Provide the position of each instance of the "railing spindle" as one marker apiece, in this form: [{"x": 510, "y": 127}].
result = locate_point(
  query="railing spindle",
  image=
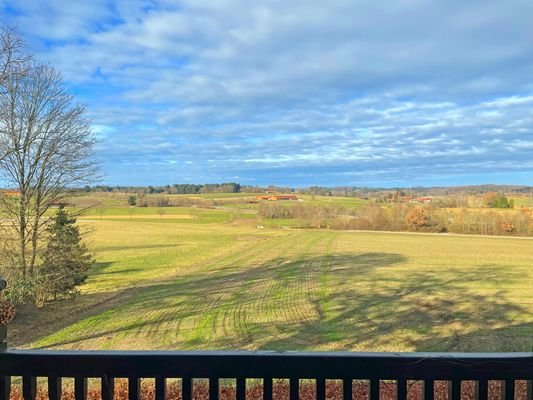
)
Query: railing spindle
[
  {"x": 529, "y": 389},
  {"x": 401, "y": 389},
  {"x": 321, "y": 389},
  {"x": 186, "y": 388},
  {"x": 267, "y": 388},
  {"x": 213, "y": 388},
  {"x": 429, "y": 389},
  {"x": 347, "y": 389},
  {"x": 160, "y": 388},
  {"x": 5, "y": 387},
  {"x": 29, "y": 387},
  {"x": 241, "y": 389},
  {"x": 134, "y": 388},
  {"x": 54, "y": 388},
  {"x": 294, "y": 389},
  {"x": 80, "y": 388},
  {"x": 508, "y": 389},
  {"x": 455, "y": 392},
  {"x": 374, "y": 389},
  {"x": 108, "y": 387},
  {"x": 482, "y": 390}
]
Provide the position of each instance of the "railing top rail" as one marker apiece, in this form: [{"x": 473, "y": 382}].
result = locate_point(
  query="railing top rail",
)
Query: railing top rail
[
  {"x": 251, "y": 364},
  {"x": 269, "y": 353}
]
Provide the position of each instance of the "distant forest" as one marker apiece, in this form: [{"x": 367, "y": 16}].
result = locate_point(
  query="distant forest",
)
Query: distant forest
[{"x": 345, "y": 191}]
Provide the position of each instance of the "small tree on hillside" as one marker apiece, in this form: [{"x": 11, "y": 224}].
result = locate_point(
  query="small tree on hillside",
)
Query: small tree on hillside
[
  {"x": 66, "y": 260},
  {"x": 416, "y": 219},
  {"x": 497, "y": 200}
]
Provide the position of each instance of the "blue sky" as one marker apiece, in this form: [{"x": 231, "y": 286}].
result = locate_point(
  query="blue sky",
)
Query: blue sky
[{"x": 296, "y": 92}]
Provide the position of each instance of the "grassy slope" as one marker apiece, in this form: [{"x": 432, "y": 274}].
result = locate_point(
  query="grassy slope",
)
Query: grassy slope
[
  {"x": 523, "y": 201},
  {"x": 202, "y": 286},
  {"x": 189, "y": 215}
]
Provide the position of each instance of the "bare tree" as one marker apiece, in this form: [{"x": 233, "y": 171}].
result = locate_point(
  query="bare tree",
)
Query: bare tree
[
  {"x": 13, "y": 62},
  {"x": 47, "y": 143}
]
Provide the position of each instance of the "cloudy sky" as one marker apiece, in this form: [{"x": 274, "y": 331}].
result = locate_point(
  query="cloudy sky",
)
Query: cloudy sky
[{"x": 402, "y": 92}]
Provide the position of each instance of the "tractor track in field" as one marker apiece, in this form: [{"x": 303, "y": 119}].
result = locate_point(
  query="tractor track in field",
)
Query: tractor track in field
[
  {"x": 270, "y": 286},
  {"x": 29, "y": 325},
  {"x": 266, "y": 289},
  {"x": 216, "y": 300},
  {"x": 240, "y": 301},
  {"x": 289, "y": 291}
]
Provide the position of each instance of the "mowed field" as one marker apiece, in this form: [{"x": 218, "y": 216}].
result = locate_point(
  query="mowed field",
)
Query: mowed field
[{"x": 213, "y": 282}]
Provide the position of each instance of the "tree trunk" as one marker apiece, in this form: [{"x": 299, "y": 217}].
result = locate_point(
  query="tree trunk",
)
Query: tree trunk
[
  {"x": 22, "y": 236},
  {"x": 34, "y": 241}
]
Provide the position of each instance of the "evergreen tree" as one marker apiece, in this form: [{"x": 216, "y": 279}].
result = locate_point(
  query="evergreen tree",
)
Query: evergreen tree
[{"x": 66, "y": 260}]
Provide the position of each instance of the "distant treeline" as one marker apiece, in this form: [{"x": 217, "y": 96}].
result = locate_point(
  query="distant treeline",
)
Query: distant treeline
[
  {"x": 232, "y": 187},
  {"x": 342, "y": 191},
  {"x": 179, "y": 188},
  {"x": 404, "y": 217},
  {"x": 188, "y": 188}
]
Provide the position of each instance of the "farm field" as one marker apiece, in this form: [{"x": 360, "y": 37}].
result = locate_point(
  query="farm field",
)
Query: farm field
[
  {"x": 221, "y": 284},
  {"x": 239, "y": 200},
  {"x": 523, "y": 201},
  {"x": 165, "y": 214}
]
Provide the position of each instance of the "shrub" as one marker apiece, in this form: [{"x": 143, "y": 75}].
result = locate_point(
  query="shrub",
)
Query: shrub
[
  {"x": 66, "y": 260},
  {"x": 507, "y": 227},
  {"x": 20, "y": 291},
  {"x": 497, "y": 200},
  {"x": 416, "y": 219}
]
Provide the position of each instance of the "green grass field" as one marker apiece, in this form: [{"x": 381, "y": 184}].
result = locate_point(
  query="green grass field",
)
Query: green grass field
[
  {"x": 221, "y": 284},
  {"x": 523, "y": 201},
  {"x": 188, "y": 215}
]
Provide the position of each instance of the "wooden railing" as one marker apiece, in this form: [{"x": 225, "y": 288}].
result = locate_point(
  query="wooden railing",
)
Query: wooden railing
[{"x": 266, "y": 366}]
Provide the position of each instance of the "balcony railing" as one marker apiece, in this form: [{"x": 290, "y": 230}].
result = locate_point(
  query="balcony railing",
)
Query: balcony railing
[{"x": 266, "y": 366}]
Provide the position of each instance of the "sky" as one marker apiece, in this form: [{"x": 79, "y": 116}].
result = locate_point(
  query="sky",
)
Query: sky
[{"x": 296, "y": 93}]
